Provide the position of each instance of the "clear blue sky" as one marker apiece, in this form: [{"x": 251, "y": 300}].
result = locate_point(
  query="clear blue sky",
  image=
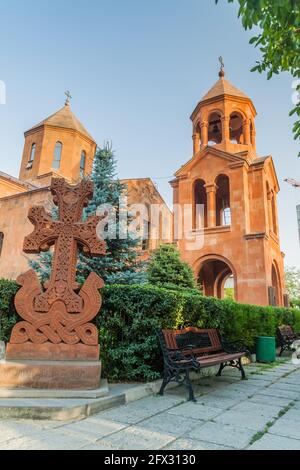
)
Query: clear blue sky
[{"x": 136, "y": 70}]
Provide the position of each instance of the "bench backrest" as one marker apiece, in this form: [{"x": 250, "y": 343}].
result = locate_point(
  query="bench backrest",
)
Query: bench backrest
[
  {"x": 285, "y": 331},
  {"x": 203, "y": 340}
]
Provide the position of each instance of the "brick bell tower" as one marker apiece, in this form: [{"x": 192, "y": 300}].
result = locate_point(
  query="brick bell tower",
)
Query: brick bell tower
[
  {"x": 59, "y": 146},
  {"x": 237, "y": 190}
]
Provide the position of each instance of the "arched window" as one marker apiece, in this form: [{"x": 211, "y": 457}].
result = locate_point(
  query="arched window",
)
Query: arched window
[
  {"x": 146, "y": 235},
  {"x": 82, "y": 163},
  {"x": 200, "y": 205},
  {"x": 236, "y": 128},
  {"x": 214, "y": 129},
  {"x": 223, "y": 212},
  {"x": 1, "y": 242},
  {"x": 57, "y": 155},
  {"x": 32, "y": 153}
]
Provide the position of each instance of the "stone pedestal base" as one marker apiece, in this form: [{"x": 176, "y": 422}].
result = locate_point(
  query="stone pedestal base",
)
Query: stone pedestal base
[
  {"x": 50, "y": 375},
  {"x": 52, "y": 352}
]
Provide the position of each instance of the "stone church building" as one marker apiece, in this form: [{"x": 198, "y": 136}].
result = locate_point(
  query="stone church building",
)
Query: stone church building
[
  {"x": 236, "y": 187},
  {"x": 60, "y": 146}
]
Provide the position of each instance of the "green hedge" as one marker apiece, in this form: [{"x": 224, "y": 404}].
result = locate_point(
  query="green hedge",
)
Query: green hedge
[
  {"x": 8, "y": 316},
  {"x": 130, "y": 314}
]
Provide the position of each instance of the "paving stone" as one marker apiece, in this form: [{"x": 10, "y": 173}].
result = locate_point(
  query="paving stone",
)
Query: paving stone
[
  {"x": 286, "y": 386},
  {"x": 278, "y": 392},
  {"x": 218, "y": 433},
  {"x": 293, "y": 415},
  {"x": 170, "y": 425},
  {"x": 127, "y": 414},
  {"x": 259, "y": 409},
  {"x": 286, "y": 428},
  {"x": 269, "y": 400},
  {"x": 92, "y": 429},
  {"x": 195, "y": 411},
  {"x": 214, "y": 401},
  {"x": 136, "y": 438},
  {"x": 244, "y": 420},
  {"x": 193, "y": 444},
  {"x": 272, "y": 442},
  {"x": 14, "y": 429},
  {"x": 46, "y": 441}
]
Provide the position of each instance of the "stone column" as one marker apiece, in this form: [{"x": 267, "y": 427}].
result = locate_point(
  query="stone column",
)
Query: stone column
[
  {"x": 204, "y": 133},
  {"x": 196, "y": 141},
  {"x": 246, "y": 131},
  {"x": 225, "y": 129},
  {"x": 211, "y": 190},
  {"x": 253, "y": 137}
]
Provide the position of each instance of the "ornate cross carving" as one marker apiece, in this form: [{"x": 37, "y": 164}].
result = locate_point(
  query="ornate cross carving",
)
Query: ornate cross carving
[{"x": 59, "y": 313}]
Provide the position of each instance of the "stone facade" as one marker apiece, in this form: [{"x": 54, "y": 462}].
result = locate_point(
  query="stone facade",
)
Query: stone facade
[
  {"x": 17, "y": 195},
  {"x": 237, "y": 190}
]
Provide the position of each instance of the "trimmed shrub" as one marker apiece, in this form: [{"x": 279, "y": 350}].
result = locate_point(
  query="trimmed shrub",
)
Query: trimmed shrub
[
  {"x": 8, "y": 316},
  {"x": 127, "y": 323},
  {"x": 131, "y": 313}
]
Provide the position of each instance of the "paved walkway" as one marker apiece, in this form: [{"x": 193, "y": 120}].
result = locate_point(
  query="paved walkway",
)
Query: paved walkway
[{"x": 260, "y": 413}]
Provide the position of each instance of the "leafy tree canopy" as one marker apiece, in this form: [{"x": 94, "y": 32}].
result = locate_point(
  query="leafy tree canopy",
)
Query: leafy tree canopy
[
  {"x": 166, "y": 269},
  {"x": 292, "y": 281},
  {"x": 278, "y": 40}
]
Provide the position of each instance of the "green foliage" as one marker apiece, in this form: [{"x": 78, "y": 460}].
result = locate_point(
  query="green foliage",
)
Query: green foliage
[
  {"x": 295, "y": 303},
  {"x": 8, "y": 316},
  {"x": 120, "y": 264},
  {"x": 278, "y": 39},
  {"x": 131, "y": 313},
  {"x": 166, "y": 269},
  {"x": 292, "y": 282},
  {"x": 127, "y": 323}
]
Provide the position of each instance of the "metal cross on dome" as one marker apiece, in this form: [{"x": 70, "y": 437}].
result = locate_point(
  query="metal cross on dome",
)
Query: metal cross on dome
[{"x": 69, "y": 97}]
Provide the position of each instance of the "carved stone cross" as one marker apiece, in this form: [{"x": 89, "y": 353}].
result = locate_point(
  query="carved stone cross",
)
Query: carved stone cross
[
  {"x": 66, "y": 234},
  {"x": 60, "y": 313}
]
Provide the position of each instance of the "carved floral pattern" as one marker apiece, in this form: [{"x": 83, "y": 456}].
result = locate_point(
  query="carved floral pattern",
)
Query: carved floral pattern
[{"x": 60, "y": 314}]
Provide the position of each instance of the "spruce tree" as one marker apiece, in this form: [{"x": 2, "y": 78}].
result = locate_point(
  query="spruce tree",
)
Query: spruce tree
[
  {"x": 120, "y": 264},
  {"x": 166, "y": 269}
]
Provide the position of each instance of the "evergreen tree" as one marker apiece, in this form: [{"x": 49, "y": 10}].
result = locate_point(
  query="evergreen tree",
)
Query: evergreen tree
[
  {"x": 120, "y": 264},
  {"x": 166, "y": 269}
]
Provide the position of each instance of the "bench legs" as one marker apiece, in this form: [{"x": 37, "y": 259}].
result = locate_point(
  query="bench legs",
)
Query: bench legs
[
  {"x": 237, "y": 364},
  {"x": 186, "y": 381},
  {"x": 166, "y": 380}
]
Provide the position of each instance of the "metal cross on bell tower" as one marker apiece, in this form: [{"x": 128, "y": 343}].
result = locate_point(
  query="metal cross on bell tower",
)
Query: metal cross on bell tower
[{"x": 222, "y": 66}]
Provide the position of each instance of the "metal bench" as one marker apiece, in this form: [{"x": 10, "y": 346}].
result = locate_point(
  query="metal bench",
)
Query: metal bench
[
  {"x": 286, "y": 337},
  {"x": 192, "y": 349}
]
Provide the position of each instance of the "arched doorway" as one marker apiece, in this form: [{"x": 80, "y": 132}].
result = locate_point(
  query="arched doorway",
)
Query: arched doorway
[
  {"x": 276, "y": 285},
  {"x": 217, "y": 278}
]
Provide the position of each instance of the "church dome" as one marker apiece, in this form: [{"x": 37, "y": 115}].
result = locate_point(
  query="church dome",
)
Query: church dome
[{"x": 65, "y": 119}]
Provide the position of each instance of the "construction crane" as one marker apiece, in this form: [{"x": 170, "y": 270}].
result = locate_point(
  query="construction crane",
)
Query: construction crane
[{"x": 294, "y": 183}]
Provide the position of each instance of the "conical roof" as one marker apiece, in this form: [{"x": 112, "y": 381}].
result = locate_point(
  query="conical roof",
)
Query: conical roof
[
  {"x": 65, "y": 119},
  {"x": 223, "y": 87}
]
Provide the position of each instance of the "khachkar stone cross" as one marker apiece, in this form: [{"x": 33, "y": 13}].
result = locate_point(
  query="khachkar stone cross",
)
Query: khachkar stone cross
[{"x": 60, "y": 313}]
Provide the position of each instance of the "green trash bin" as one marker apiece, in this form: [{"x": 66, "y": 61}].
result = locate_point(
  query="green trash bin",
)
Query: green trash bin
[{"x": 265, "y": 349}]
